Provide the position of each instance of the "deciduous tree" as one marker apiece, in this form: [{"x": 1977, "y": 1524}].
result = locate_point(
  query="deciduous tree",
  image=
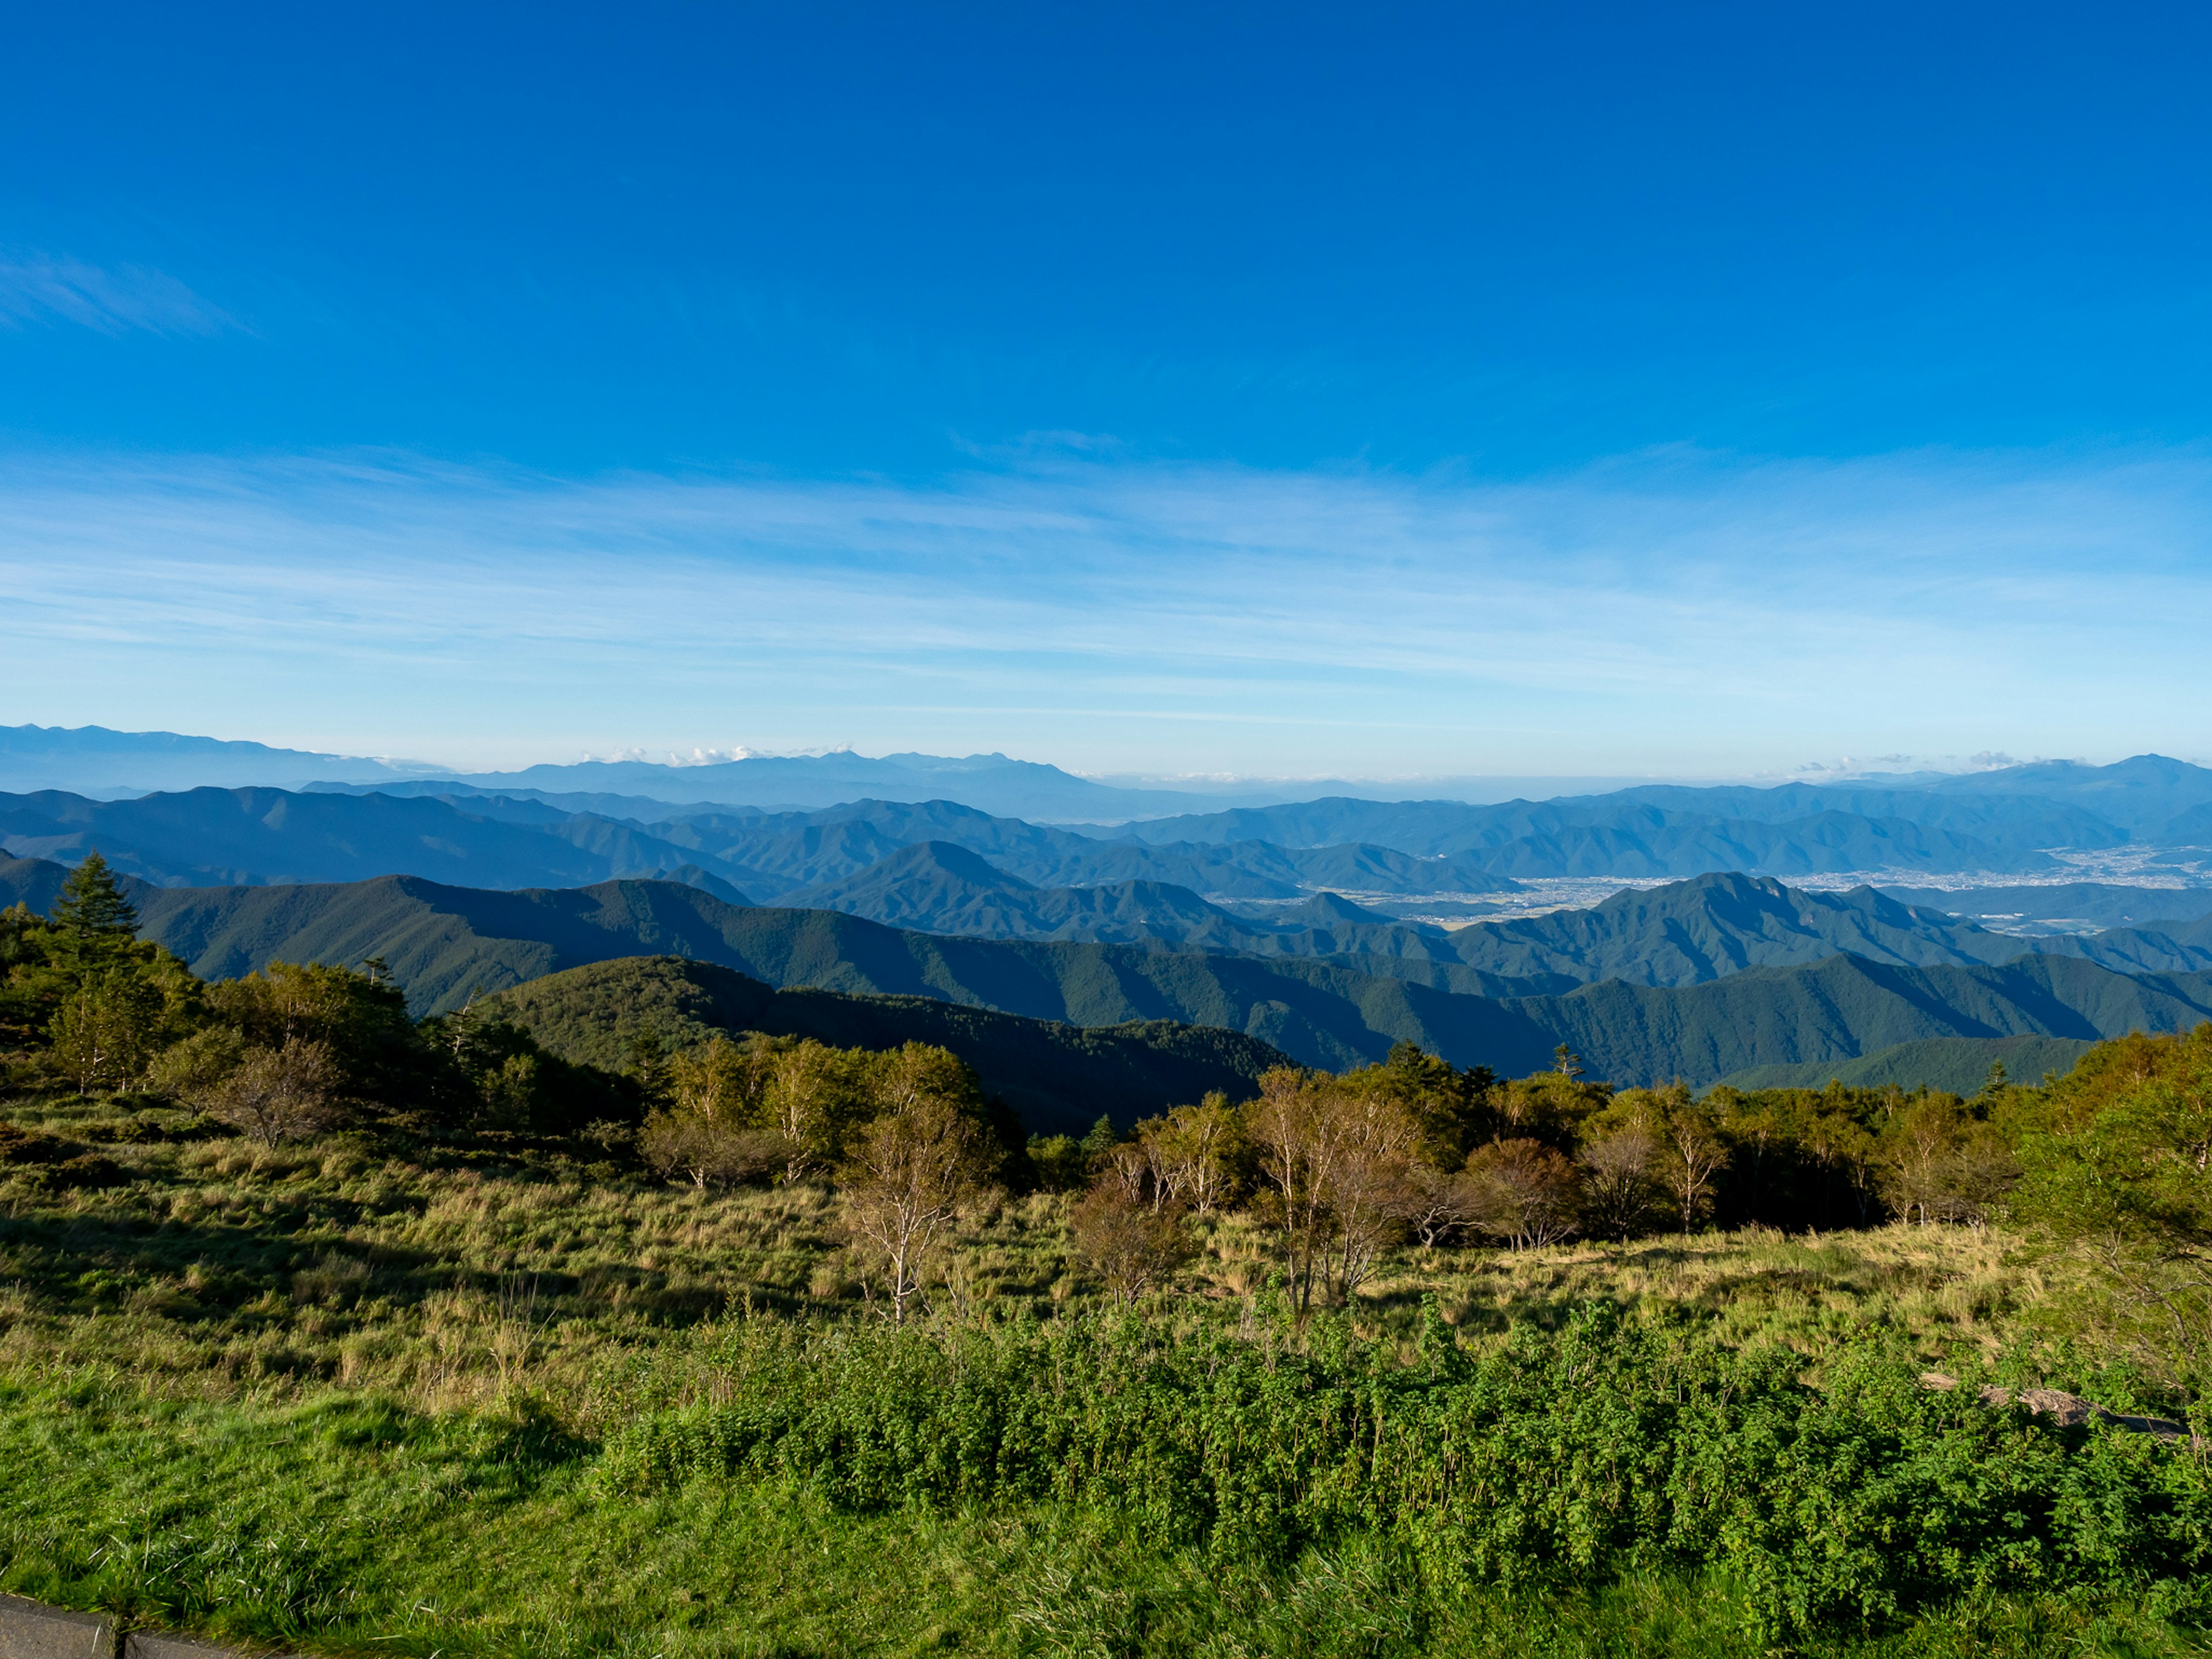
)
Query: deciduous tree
[{"x": 908, "y": 1172}]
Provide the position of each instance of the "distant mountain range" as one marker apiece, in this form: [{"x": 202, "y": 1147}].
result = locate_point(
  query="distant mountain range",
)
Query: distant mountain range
[
  {"x": 95, "y": 761},
  {"x": 777, "y": 853},
  {"x": 2069, "y": 907},
  {"x": 248, "y": 837},
  {"x": 252, "y": 837},
  {"x": 1374, "y": 849},
  {"x": 1684, "y": 933},
  {"x": 993, "y": 783},
  {"x": 446, "y": 943},
  {"x": 2014, "y": 812},
  {"x": 1255, "y": 920},
  {"x": 91, "y": 759},
  {"x": 1626, "y": 835}
]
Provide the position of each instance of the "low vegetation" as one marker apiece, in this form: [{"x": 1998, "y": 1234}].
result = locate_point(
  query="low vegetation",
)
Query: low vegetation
[{"x": 324, "y": 1326}]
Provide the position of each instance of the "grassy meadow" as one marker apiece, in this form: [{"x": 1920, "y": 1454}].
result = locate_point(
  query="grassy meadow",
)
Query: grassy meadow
[{"x": 352, "y": 1398}]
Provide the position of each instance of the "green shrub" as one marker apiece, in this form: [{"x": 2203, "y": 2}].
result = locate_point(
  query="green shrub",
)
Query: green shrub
[{"x": 1606, "y": 1448}]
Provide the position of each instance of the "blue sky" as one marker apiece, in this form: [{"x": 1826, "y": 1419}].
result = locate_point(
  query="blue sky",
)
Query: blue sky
[{"x": 1699, "y": 391}]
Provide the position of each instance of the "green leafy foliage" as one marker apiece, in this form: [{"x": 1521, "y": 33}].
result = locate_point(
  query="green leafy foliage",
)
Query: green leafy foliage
[
  {"x": 2118, "y": 1162},
  {"x": 1606, "y": 1448}
]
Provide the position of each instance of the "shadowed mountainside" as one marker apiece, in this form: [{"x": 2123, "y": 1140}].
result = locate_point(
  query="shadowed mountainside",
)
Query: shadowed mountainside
[
  {"x": 1060, "y": 1078},
  {"x": 1958, "y": 1065},
  {"x": 254, "y": 838},
  {"x": 1683, "y": 934},
  {"x": 775, "y": 854},
  {"x": 443, "y": 943},
  {"x": 2063, "y": 907}
]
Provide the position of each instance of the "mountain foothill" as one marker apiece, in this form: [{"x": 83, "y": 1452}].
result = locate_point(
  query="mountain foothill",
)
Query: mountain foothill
[{"x": 1947, "y": 922}]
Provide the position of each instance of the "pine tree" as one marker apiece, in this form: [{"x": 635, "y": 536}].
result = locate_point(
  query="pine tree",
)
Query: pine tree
[{"x": 92, "y": 908}]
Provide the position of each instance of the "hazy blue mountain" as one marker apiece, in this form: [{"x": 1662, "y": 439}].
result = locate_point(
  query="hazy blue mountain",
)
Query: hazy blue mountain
[
  {"x": 36, "y": 882},
  {"x": 776, "y": 853},
  {"x": 2013, "y": 825},
  {"x": 2141, "y": 794},
  {"x": 639, "y": 810},
  {"x": 2190, "y": 829},
  {"x": 992, "y": 783},
  {"x": 2071, "y": 907},
  {"x": 1688, "y": 932},
  {"x": 2173, "y": 947},
  {"x": 93, "y": 761},
  {"x": 1684, "y": 933},
  {"x": 250, "y": 837},
  {"x": 1605, "y": 837},
  {"x": 940, "y": 888},
  {"x": 1995, "y": 821}
]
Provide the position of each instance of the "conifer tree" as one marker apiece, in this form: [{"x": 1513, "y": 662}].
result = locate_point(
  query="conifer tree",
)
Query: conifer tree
[{"x": 92, "y": 908}]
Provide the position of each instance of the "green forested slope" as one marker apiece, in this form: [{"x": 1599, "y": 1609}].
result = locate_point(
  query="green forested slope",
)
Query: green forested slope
[
  {"x": 32, "y": 882},
  {"x": 1061, "y": 1078},
  {"x": 1844, "y": 1007},
  {"x": 442, "y": 943},
  {"x": 1683, "y": 934},
  {"x": 1958, "y": 1065},
  {"x": 2165, "y": 947},
  {"x": 250, "y": 837}
]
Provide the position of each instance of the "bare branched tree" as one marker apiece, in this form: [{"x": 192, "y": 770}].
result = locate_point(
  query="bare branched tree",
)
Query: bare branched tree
[
  {"x": 1194, "y": 1152},
  {"x": 1524, "y": 1193},
  {"x": 276, "y": 1095},
  {"x": 1620, "y": 1187},
  {"x": 1131, "y": 1244},
  {"x": 1298, "y": 1152},
  {"x": 908, "y": 1172},
  {"x": 1437, "y": 1204}
]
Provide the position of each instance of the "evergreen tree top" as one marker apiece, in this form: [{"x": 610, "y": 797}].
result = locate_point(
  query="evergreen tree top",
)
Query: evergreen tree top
[{"x": 92, "y": 906}]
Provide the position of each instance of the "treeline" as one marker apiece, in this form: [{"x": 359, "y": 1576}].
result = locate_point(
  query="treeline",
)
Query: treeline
[
  {"x": 288, "y": 1052},
  {"x": 1342, "y": 1167}
]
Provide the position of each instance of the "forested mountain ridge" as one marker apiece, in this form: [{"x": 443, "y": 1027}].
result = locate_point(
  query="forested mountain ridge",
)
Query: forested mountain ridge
[
  {"x": 2177, "y": 947},
  {"x": 1687, "y": 933},
  {"x": 943, "y": 889},
  {"x": 1959, "y": 1066},
  {"x": 1682, "y": 933},
  {"x": 1995, "y": 820},
  {"x": 443, "y": 943},
  {"x": 1606, "y": 836},
  {"x": 36, "y": 883},
  {"x": 1428, "y": 849},
  {"x": 1690, "y": 932},
  {"x": 250, "y": 837},
  {"x": 1058, "y": 1078},
  {"x": 776, "y": 853},
  {"x": 2062, "y": 906}
]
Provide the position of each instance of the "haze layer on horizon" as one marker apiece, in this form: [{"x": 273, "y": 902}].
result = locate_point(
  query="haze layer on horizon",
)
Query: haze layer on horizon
[{"x": 1175, "y": 392}]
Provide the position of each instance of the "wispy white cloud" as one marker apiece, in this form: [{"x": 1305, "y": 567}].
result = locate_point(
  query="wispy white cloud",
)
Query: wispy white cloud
[
  {"x": 115, "y": 299},
  {"x": 1674, "y": 612}
]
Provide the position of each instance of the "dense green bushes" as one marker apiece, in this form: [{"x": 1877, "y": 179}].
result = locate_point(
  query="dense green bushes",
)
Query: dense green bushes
[
  {"x": 280, "y": 1055},
  {"x": 1609, "y": 1448}
]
